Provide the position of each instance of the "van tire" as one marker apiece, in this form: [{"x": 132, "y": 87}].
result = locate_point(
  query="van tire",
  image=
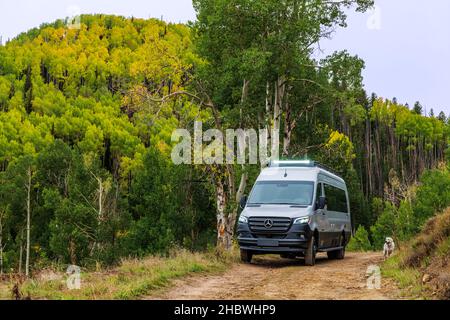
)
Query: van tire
[
  {"x": 341, "y": 253},
  {"x": 310, "y": 253},
  {"x": 246, "y": 256}
]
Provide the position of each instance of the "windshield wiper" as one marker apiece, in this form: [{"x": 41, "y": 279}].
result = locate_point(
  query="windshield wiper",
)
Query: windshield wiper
[{"x": 283, "y": 203}]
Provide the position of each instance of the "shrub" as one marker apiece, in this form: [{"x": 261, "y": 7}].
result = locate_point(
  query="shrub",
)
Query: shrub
[
  {"x": 360, "y": 242},
  {"x": 433, "y": 195},
  {"x": 384, "y": 227}
]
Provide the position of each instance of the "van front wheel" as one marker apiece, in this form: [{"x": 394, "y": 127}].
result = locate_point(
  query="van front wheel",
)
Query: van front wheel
[
  {"x": 246, "y": 256},
  {"x": 310, "y": 253}
]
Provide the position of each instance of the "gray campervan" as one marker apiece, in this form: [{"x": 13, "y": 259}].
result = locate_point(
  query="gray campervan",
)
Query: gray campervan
[{"x": 295, "y": 209}]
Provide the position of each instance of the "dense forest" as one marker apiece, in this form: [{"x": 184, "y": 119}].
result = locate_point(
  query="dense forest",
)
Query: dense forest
[{"x": 87, "y": 117}]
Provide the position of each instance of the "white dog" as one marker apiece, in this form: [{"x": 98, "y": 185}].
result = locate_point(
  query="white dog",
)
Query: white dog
[{"x": 389, "y": 247}]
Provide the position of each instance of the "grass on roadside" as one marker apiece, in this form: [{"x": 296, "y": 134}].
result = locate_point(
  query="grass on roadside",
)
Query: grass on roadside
[
  {"x": 132, "y": 279},
  {"x": 408, "y": 279}
]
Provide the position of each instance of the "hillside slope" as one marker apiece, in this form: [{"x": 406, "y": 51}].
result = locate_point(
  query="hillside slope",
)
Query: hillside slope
[
  {"x": 79, "y": 111},
  {"x": 423, "y": 266}
]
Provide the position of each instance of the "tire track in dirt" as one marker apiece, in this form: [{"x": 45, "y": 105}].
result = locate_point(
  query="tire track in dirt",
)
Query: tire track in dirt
[{"x": 270, "y": 277}]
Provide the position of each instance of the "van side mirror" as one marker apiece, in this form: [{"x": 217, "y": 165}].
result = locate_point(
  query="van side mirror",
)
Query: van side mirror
[
  {"x": 321, "y": 204},
  {"x": 243, "y": 202}
]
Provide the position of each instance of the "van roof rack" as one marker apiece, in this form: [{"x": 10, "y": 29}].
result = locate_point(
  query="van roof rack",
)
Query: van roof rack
[{"x": 299, "y": 164}]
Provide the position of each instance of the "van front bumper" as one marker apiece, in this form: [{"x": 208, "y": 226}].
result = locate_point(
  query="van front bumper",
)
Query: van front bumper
[
  {"x": 283, "y": 246},
  {"x": 294, "y": 241}
]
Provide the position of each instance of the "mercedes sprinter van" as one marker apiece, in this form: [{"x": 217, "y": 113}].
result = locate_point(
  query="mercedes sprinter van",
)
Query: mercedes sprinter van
[{"x": 295, "y": 209}]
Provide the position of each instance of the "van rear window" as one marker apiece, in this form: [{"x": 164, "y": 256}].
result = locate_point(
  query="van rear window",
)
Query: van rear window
[
  {"x": 336, "y": 199},
  {"x": 282, "y": 192}
]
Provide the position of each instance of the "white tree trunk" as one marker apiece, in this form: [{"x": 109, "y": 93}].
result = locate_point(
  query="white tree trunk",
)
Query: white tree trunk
[
  {"x": 269, "y": 124},
  {"x": 100, "y": 200},
  {"x": 226, "y": 220},
  {"x": 280, "y": 95},
  {"x": 245, "y": 87},
  {"x": 223, "y": 237},
  {"x": 242, "y": 185},
  {"x": 288, "y": 127},
  {"x": 28, "y": 187},
  {"x": 21, "y": 252},
  {"x": 276, "y": 107},
  {"x": 1, "y": 243},
  {"x": 277, "y": 113},
  {"x": 244, "y": 176}
]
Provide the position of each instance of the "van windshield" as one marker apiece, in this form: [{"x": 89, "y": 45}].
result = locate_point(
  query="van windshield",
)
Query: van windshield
[{"x": 282, "y": 192}]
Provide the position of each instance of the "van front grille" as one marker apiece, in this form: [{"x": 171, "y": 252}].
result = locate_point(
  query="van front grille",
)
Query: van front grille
[
  {"x": 278, "y": 236},
  {"x": 269, "y": 224}
]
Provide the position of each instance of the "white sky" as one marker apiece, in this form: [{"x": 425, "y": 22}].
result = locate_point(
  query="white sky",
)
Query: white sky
[
  {"x": 17, "y": 16},
  {"x": 406, "y": 50},
  {"x": 406, "y": 43}
]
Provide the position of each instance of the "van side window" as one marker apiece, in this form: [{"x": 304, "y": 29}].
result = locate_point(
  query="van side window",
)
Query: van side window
[{"x": 336, "y": 198}]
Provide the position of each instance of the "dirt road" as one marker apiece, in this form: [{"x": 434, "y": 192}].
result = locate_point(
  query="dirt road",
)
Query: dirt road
[{"x": 270, "y": 277}]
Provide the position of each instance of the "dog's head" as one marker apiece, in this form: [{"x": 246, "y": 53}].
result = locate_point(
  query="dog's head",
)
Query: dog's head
[{"x": 389, "y": 240}]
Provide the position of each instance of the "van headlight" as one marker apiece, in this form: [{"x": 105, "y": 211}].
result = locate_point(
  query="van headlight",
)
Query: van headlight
[
  {"x": 302, "y": 220},
  {"x": 243, "y": 219}
]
